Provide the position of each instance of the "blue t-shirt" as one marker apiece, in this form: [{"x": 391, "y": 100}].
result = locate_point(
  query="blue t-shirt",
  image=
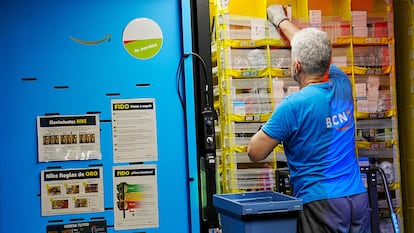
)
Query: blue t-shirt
[{"x": 316, "y": 127}]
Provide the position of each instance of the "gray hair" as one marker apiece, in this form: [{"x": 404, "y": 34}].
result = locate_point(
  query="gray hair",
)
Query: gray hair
[{"x": 312, "y": 48}]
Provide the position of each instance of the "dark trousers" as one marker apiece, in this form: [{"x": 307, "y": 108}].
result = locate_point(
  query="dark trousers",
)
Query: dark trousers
[{"x": 338, "y": 215}]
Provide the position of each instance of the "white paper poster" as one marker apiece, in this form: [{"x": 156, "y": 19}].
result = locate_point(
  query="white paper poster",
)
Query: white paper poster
[
  {"x": 61, "y": 138},
  {"x": 135, "y": 197},
  {"x": 134, "y": 130},
  {"x": 70, "y": 191}
]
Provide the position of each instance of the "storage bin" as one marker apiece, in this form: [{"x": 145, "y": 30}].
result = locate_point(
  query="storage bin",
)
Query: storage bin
[{"x": 257, "y": 212}]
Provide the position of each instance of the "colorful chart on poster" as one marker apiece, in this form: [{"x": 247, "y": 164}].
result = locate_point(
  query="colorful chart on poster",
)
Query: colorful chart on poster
[{"x": 135, "y": 197}]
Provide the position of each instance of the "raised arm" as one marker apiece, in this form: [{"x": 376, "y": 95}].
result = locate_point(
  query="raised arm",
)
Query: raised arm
[{"x": 277, "y": 16}]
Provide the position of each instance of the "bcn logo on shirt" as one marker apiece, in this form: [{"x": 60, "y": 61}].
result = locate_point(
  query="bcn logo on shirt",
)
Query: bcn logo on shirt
[{"x": 340, "y": 121}]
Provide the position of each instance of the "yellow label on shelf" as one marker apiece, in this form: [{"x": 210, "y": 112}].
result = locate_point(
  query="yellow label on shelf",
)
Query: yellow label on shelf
[
  {"x": 245, "y": 43},
  {"x": 373, "y": 71},
  {"x": 249, "y": 118},
  {"x": 276, "y": 72},
  {"x": 375, "y": 145},
  {"x": 375, "y": 115},
  {"x": 247, "y": 73},
  {"x": 372, "y": 40},
  {"x": 278, "y": 43},
  {"x": 341, "y": 41}
]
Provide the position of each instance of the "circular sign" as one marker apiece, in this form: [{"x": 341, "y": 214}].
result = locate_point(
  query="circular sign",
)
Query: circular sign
[{"x": 142, "y": 38}]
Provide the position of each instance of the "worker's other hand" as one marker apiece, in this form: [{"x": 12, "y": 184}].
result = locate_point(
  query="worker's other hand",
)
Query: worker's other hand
[{"x": 276, "y": 14}]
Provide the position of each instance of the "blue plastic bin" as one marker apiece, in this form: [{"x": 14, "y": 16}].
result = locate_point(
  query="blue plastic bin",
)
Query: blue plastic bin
[{"x": 257, "y": 212}]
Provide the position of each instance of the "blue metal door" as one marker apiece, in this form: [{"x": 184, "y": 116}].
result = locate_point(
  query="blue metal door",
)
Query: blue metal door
[{"x": 68, "y": 58}]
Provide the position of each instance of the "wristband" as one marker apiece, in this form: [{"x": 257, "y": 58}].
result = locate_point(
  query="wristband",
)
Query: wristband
[{"x": 280, "y": 21}]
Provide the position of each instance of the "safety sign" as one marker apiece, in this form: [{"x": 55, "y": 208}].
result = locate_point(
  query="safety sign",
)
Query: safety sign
[
  {"x": 72, "y": 191},
  {"x": 134, "y": 130},
  {"x": 79, "y": 227},
  {"x": 72, "y": 137},
  {"x": 135, "y": 197}
]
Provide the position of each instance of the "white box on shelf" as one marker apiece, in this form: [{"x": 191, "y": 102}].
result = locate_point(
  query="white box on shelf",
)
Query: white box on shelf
[
  {"x": 361, "y": 90},
  {"x": 278, "y": 91},
  {"x": 315, "y": 17},
  {"x": 359, "y": 18},
  {"x": 239, "y": 107},
  {"x": 340, "y": 61},
  {"x": 361, "y": 31}
]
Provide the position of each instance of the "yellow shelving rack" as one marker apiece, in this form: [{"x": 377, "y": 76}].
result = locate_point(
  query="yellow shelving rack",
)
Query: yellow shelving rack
[
  {"x": 363, "y": 47},
  {"x": 244, "y": 87}
]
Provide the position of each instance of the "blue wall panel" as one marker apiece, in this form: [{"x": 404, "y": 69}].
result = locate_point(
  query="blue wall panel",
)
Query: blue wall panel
[{"x": 35, "y": 43}]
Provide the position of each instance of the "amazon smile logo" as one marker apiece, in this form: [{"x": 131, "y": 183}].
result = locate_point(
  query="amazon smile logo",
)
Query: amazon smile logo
[{"x": 86, "y": 42}]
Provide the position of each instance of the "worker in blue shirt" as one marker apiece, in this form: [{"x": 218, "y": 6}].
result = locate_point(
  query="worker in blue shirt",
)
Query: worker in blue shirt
[{"x": 317, "y": 129}]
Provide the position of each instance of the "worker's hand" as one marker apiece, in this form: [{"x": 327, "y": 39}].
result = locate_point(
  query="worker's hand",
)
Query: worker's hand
[{"x": 276, "y": 14}]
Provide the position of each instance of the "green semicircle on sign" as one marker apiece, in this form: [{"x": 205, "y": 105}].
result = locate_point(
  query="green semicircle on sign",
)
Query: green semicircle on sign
[{"x": 142, "y": 38}]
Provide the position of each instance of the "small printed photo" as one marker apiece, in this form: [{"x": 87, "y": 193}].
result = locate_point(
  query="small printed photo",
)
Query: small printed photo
[
  {"x": 67, "y": 231},
  {"x": 87, "y": 138},
  {"x": 54, "y": 139},
  {"x": 82, "y": 138},
  {"x": 91, "y": 188},
  {"x": 46, "y": 140},
  {"x": 81, "y": 202},
  {"x": 54, "y": 190},
  {"x": 92, "y": 138},
  {"x": 60, "y": 204},
  {"x": 74, "y": 138},
  {"x": 64, "y": 139},
  {"x": 72, "y": 189}
]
